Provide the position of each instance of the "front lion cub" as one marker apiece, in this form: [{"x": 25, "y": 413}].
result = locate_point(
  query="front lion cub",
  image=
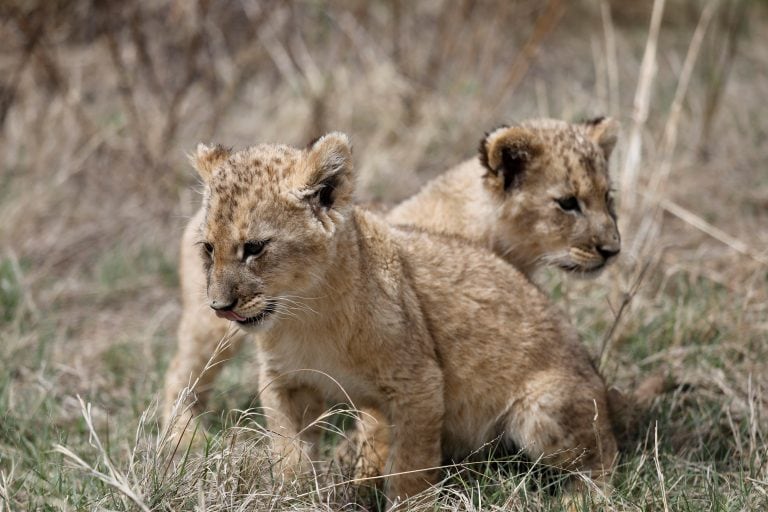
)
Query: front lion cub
[
  {"x": 537, "y": 194},
  {"x": 453, "y": 348}
]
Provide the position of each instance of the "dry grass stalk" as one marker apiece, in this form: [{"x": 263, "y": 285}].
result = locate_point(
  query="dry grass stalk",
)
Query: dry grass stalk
[
  {"x": 612, "y": 66},
  {"x": 659, "y": 471},
  {"x": 113, "y": 477},
  {"x": 5, "y": 499},
  {"x": 607, "y": 348},
  {"x": 718, "y": 234},
  {"x": 633, "y": 158},
  {"x": 649, "y": 227}
]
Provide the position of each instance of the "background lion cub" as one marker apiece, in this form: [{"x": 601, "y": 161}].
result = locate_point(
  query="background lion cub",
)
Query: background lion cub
[
  {"x": 539, "y": 194},
  {"x": 453, "y": 348}
]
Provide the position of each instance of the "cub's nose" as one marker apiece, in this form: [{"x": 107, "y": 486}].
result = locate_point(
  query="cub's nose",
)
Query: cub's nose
[
  {"x": 608, "y": 251},
  {"x": 222, "y": 305}
]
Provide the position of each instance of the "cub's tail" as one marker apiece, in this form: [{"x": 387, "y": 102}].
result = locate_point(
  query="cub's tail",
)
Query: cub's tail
[{"x": 628, "y": 410}]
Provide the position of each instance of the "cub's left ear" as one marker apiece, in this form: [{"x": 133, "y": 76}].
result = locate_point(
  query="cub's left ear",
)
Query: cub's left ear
[
  {"x": 507, "y": 153},
  {"x": 206, "y": 158},
  {"x": 603, "y": 131},
  {"x": 330, "y": 183}
]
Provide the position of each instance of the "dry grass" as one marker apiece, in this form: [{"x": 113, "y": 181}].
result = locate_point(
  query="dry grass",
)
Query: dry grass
[{"x": 100, "y": 101}]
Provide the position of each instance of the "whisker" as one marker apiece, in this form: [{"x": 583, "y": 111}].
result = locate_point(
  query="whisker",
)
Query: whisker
[{"x": 294, "y": 304}]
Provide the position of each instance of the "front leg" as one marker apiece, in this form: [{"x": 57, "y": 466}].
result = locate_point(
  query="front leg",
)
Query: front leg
[
  {"x": 416, "y": 410},
  {"x": 363, "y": 454},
  {"x": 291, "y": 411}
]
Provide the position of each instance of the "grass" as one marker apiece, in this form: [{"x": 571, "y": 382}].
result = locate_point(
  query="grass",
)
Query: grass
[
  {"x": 100, "y": 103},
  {"x": 10, "y": 291}
]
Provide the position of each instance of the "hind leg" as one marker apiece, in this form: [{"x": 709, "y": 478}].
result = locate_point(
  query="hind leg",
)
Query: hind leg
[{"x": 564, "y": 422}]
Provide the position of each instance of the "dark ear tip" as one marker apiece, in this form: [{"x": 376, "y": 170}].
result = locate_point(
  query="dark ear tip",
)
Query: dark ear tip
[
  {"x": 483, "y": 146},
  {"x": 482, "y": 151},
  {"x": 603, "y": 131},
  {"x": 592, "y": 121}
]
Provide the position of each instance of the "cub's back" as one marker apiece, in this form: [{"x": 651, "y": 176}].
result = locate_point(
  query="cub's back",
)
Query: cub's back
[
  {"x": 441, "y": 204},
  {"x": 482, "y": 309}
]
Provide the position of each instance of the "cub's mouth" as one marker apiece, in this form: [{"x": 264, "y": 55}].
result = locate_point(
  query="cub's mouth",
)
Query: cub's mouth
[
  {"x": 581, "y": 262},
  {"x": 581, "y": 270},
  {"x": 253, "y": 320}
]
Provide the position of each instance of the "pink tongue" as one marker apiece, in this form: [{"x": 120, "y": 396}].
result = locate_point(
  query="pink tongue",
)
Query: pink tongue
[{"x": 230, "y": 315}]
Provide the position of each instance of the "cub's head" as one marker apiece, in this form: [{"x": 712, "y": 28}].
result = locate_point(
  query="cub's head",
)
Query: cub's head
[
  {"x": 549, "y": 180},
  {"x": 271, "y": 213}
]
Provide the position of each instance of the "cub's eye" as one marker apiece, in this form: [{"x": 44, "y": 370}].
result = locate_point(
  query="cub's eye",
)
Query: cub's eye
[
  {"x": 569, "y": 204},
  {"x": 207, "y": 248},
  {"x": 254, "y": 249}
]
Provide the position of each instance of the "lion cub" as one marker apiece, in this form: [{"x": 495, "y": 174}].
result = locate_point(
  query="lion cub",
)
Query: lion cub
[
  {"x": 538, "y": 193},
  {"x": 451, "y": 346}
]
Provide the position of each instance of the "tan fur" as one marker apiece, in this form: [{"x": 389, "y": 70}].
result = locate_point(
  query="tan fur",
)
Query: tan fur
[
  {"x": 506, "y": 199},
  {"x": 523, "y": 224},
  {"x": 452, "y": 347}
]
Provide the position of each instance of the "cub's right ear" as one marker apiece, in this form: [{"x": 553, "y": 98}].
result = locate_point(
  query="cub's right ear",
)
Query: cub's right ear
[
  {"x": 330, "y": 183},
  {"x": 506, "y": 152},
  {"x": 206, "y": 158},
  {"x": 603, "y": 131}
]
